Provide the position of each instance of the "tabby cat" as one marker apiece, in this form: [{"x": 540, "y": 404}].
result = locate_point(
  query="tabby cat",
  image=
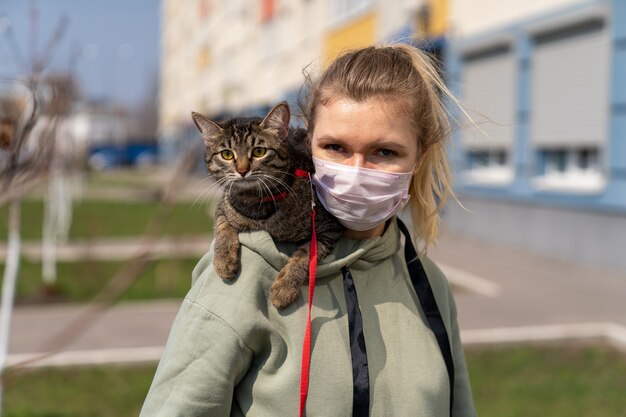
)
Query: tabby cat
[{"x": 258, "y": 163}]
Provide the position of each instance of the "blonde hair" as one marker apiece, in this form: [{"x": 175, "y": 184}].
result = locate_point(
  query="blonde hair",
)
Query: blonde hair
[{"x": 407, "y": 78}]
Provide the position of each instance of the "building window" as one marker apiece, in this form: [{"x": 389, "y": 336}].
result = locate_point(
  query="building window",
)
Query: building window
[
  {"x": 488, "y": 167},
  {"x": 343, "y": 10},
  {"x": 204, "y": 9},
  {"x": 569, "y": 169},
  {"x": 489, "y": 94},
  {"x": 268, "y": 10},
  {"x": 270, "y": 40},
  {"x": 569, "y": 96},
  {"x": 203, "y": 58}
]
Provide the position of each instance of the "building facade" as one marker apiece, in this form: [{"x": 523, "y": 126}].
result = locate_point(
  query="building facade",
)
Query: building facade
[
  {"x": 243, "y": 56},
  {"x": 542, "y": 162}
]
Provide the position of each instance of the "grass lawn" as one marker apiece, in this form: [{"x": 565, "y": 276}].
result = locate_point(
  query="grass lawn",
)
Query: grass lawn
[
  {"x": 92, "y": 219},
  {"x": 123, "y": 178},
  {"x": 79, "y": 392},
  {"x": 520, "y": 381},
  {"x": 80, "y": 281},
  {"x": 555, "y": 382}
]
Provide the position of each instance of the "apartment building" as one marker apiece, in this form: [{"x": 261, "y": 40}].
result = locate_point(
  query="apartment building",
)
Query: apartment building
[
  {"x": 543, "y": 164},
  {"x": 243, "y": 56}
]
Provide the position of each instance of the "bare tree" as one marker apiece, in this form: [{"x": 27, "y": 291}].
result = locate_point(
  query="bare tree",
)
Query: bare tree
[
  {"x": 63, "y": 163},
  {"x": 20, "y": 163}
]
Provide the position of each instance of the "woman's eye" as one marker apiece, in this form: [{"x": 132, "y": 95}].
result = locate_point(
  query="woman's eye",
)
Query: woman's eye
[
  {"x": 227, "y": 154},
  {"x": 258, "y": 152},
  {"x": 333, "y": 147},
  {"x": 387, "y": 153}
]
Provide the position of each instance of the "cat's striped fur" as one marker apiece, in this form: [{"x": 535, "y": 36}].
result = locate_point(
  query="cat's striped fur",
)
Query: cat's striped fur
[{"x": 254, "y": 160}]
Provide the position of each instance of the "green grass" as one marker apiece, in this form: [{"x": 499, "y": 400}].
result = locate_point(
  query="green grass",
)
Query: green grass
[
  {"x": 79, "y": 392},
  {"x": 519, "y": 381},
  {"x": 92, "y": 219},
  {"x": 555, "y": 382},
  {"x": 122, "y": 178},
  {"x": 81, "y": 281}
]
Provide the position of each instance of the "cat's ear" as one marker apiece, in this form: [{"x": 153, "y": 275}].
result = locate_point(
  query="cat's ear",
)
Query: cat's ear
[
  {"x": 278, "y": 119},
  {"x": 206, "y": 126}
]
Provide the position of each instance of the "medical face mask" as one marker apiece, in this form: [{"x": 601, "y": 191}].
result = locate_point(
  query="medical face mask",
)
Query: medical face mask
[{"x": 360, "y": 198}]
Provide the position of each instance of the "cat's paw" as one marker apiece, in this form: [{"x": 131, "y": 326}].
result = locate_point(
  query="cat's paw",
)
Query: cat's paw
[
  {"x": 286, "y": 288},
  {"x": 225, "y": 269},
  {"x": 226, "y": 259},
  {"x": 282, "y": 294}
]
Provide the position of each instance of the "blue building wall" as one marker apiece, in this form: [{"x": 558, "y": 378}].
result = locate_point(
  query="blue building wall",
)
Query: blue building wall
[
  {"x": 525, "y": 161},
  {"x": 588, "y": 228}
]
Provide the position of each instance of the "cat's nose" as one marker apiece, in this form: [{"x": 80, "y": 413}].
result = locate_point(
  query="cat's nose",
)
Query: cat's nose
[{"x": 242, "y": 172}]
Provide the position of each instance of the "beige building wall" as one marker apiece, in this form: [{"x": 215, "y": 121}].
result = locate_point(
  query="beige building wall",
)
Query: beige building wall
[
  {"x": 178, "y": 62},
  {"x": 222, "y": 56},
  {"x": 475, "y": 16}
]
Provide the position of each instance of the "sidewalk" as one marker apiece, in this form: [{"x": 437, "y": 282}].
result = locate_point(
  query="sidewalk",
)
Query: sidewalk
[
  {"x": 504, "y": 295},
  {"x": 113, "y": 249},
  {"x": 535, "y": 298}
]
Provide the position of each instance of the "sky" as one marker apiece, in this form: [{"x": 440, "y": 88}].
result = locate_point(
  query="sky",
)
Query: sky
[{"x": 117, "y": 42}]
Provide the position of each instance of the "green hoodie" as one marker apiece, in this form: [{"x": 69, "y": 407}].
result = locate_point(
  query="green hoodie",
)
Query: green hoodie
[{"x": 231, "y": 353}]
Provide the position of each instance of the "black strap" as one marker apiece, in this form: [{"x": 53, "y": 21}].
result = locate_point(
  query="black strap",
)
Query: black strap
[
  {"x": 360, "y": 374},
  {"x": 419, "y": 279},
  {"x": 429, "y": 305}
]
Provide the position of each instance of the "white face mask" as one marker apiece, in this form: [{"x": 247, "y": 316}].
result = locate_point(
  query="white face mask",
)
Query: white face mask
[{"x": 360, "y": 198}]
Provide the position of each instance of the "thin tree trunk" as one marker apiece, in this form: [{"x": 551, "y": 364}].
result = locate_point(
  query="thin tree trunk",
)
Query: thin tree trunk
[
  {"x": 49, "y": 239},
  {"x": 11, "y": 268},
  {"x": 57, "y": 219}
]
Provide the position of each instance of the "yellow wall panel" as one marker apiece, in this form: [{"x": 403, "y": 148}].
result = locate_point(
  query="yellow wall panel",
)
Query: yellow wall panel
[
  {"x": 356, "y": 33},
  {"x": 438, "y": 17}
]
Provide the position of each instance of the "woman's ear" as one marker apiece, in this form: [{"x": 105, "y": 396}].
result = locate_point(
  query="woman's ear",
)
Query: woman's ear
[{"x": 278, "y": 119}]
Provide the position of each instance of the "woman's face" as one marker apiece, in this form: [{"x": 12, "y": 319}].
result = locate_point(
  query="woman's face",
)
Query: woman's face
[{"x": 369, "y": 134}]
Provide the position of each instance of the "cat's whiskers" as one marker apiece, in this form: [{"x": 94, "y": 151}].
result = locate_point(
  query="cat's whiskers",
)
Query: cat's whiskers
[
  {"x": 273, "y": 180},
  {"x": 216, "y": 187},
  {"x": 270, "y": 194},
  {"x": 278, "y": 181},
  {"x": 211, "y": 191},
  {"x": 286, "y": 186},
  {"x": 230, "y": 184},
  {"x": 205, "y": 194},
  {"x": 272, "y": 189}
]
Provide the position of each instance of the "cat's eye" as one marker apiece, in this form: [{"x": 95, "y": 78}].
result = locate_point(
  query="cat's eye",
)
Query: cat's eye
[
  {"x": 227, "y": 154},
  {"x": 258, "y": 152}
]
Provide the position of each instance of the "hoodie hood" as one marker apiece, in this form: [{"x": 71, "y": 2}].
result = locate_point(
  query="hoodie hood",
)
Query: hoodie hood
[{"x": 353, "y": 253}]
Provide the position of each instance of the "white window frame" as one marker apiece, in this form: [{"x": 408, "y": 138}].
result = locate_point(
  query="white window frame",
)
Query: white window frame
[
  {"x": 493, "y": 171},
  {"x": 571, "y": 177}
]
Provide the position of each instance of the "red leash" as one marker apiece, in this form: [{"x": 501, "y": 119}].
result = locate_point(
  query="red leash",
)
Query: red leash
[{"x": 306, "y": 344}]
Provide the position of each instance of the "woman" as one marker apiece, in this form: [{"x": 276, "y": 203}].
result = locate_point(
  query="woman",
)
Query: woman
[{"x": 377, "y": 130}]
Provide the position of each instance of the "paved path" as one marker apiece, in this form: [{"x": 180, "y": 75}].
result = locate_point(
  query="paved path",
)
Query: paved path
[
  {"x": 118, "y": 248},
  {"x": 503, "y": 295},
  {"x": 541, "y": 297}
]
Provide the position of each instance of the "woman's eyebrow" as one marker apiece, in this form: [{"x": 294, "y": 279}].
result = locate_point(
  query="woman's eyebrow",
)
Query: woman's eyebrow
[
  {"x": 328, "y": 138},
  {"x": 389, "y": 144},
  {"x": 382, "y": 143}
]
